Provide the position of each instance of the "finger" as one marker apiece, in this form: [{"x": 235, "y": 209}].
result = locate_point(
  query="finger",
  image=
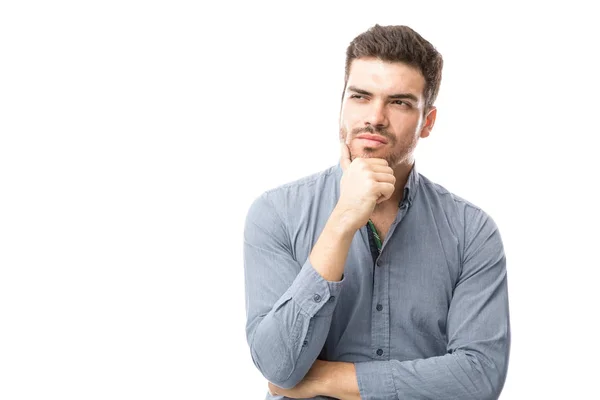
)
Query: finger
[
  {"x": 376, "y": 161},
  {"x": 385, "y": 191},
  {"x": 381, "y": 169},
  {"x": 384, "y": 178},
  {"x": 345, "y": 155}
]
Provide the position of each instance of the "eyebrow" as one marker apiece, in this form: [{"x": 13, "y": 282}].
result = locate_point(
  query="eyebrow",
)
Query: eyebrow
[{"x": 409, "y": 96}]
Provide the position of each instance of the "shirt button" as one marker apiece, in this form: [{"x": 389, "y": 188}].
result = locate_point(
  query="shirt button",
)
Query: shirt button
[
  {"x": 317, "y": 298},
  {"x": 305, "y": 343},
  {"x": 379, "y": 352},
  {"x": 332, "y": 299},
  {"x": 379, "y": 307}
]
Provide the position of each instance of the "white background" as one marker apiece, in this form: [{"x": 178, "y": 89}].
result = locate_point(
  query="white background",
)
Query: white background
[{"x": 134, "y": 136}]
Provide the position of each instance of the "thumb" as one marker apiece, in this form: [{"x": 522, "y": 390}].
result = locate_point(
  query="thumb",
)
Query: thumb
[{"x": 345, "y": 155}]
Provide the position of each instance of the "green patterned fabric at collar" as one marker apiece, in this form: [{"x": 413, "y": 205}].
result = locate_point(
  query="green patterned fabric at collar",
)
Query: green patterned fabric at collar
[{"x": 375, "y": 235}]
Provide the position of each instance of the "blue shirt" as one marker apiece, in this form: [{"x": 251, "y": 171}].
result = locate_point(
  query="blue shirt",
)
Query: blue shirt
[{"x": 428, "y": 319}]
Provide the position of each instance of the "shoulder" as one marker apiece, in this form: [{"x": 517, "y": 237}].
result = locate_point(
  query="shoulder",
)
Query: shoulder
[
  {"x": 469, "y": 220},
  {"x": 445, "y": 196},
  {"x": 306, "y": 183},
  {"x": 302, "y": 191},
  {"x": 298, "y": 193}
]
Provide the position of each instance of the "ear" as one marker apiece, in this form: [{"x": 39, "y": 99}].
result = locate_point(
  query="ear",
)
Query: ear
[{"x": 429, "y": 122}]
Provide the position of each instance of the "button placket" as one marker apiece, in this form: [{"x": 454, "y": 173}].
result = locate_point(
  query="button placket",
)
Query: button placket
[{"x": 380, "y": 315}]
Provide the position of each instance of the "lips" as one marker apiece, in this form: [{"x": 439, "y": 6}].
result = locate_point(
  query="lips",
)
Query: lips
[{"x": 376, "y": 138}]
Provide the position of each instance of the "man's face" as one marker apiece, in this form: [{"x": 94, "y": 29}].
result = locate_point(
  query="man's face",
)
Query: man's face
[{"x": 384, "y": 100}]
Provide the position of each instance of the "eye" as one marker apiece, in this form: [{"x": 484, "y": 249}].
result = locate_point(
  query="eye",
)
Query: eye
[
  {"x": 356, "y": 96},
  {"x": 400, "y": 103}
]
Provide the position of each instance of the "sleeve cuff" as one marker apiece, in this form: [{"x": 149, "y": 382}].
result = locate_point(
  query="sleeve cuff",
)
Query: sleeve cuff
[
  {"x": 313, "y": 294},
  {"x": 375, "y": 380}
]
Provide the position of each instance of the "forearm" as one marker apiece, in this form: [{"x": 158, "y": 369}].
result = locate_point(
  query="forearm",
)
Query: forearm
[
  {"x": 285, "y": 342},
  {"x": 341, "y": 382},
  {"x": 453, "y": 376},
  {"x": 289, "y": 305},
  {"x": 325, "y": 378},
  {"x": 460, "y": 375},
  {"x": 329, "y": 254}
]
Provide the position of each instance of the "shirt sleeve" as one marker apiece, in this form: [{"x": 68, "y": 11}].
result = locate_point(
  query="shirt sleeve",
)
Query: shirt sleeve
[
  {"x": 476, "y": 362},
  {"x": 289, "y": 305}
]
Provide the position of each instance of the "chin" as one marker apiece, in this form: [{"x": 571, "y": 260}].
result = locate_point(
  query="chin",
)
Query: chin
[{"x": 369, "y": 152}]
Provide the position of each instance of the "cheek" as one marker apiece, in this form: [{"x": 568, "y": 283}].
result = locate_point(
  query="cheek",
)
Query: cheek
[
  {"x": 407, "y": 125},
  {"x": 349, "y": 116},
  {"x": 345, "y": 130},
  {"x": 418, "y": 121}
]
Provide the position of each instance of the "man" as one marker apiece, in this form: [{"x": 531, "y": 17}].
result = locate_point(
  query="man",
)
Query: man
[{"x": 367, "y": 280}]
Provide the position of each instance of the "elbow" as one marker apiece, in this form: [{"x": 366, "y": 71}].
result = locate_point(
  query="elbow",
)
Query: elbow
[
  {"x": 283, "y": 377},
  {"x": 497, "y": 373},
  {"x": 288, "y": 383},
  {"x": 491, "y": 393},
  {"x": 277, "y": 357},
  {"x": 491, "y": 376},
  {"x": 282, "y": 373},
  {"x": 496, "y": 386}
]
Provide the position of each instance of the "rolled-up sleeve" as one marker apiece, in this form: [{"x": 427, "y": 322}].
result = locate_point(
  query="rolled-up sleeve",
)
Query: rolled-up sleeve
[
  {"x": 289, "y": 305},
  {"x": 478, "y": 329}
]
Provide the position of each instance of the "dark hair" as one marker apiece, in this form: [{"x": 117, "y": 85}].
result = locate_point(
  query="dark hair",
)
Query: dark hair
[{"x": 398, "y": 43}]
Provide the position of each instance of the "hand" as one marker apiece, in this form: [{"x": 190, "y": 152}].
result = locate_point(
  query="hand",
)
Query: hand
[
  {"x": 311, "y": 386},
  {"x": 365, "y": 183}
]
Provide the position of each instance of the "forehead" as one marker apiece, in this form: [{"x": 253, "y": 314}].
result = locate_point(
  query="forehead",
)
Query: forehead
[{"x": 383, "y": 77}]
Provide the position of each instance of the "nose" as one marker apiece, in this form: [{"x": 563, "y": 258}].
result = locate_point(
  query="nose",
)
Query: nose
[{"x": 376, "y": 115}]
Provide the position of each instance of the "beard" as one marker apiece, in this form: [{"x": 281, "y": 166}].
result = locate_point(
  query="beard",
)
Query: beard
[{"x": 390, "y": 153}]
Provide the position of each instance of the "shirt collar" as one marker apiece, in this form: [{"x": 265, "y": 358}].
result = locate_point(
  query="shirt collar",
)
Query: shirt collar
[{"x": 411, "y": 187}]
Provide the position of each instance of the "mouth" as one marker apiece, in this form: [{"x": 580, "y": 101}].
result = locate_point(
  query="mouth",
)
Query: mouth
[{"x": 373, "y": 139}]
